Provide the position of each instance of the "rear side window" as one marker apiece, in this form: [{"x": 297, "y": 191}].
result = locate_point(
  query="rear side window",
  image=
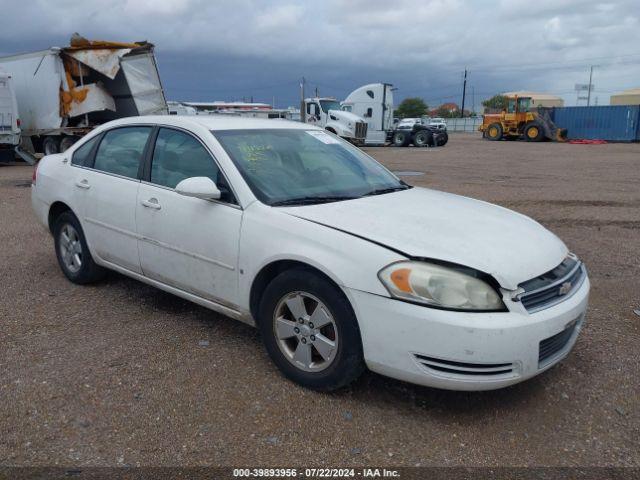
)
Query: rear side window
[
  {"x": 178, "y": 155},
  {"x": 81, "y": 156},
  {"x": 120, "y": 151}
]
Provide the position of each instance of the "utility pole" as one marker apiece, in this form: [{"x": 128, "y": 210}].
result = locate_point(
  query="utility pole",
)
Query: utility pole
[
  {"x": 303, "y": 113},
  {"x": 464, "y": 92},
  {"x": 473, "y": 99},
  {"x": 589, "y": 90}
]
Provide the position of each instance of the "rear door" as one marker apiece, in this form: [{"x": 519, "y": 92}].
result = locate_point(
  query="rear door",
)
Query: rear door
[
  {"x": 185, "y": 242},
  {"x": 9, "y": 130},
  {"x": 107, "y": 189}
]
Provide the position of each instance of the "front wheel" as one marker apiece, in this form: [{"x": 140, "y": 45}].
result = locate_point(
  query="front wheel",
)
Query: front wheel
[
  {"x": 533, "y": 132},
  {"x": 401, "y": 139},
  {"x": 310, "y": 331}
]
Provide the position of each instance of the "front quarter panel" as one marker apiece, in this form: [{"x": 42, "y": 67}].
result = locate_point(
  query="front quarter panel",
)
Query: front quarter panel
[{"x": 269, "y": 235}]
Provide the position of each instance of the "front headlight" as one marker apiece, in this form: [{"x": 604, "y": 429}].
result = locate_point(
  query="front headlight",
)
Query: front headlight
[{"x": 439, "y": 286}]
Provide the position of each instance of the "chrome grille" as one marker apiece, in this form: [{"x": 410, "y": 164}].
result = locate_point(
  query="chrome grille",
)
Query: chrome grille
[
  {"x": 464, "y": 368},
  {"x": 361, "y": 130},
  {"x": 552, "y": 287}
]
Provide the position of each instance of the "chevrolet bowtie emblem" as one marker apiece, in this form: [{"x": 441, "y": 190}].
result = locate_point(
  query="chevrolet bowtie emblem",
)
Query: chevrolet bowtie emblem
[{"x": 565, "y": 288}]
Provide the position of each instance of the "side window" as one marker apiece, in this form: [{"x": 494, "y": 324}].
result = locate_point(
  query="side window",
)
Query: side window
[
  {"x": 369, "y": 113},
  {"x": 178, "y": 155},
  {"x": 121, "y": 151},
  {"x": 81, "y": 155}
]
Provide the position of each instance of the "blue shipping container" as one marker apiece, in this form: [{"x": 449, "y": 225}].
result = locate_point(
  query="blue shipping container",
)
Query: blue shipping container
[{"x": 616, "y": 123}]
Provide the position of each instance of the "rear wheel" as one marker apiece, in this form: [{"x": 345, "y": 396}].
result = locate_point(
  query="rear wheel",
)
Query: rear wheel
[
  {"x": 310, "y": 331},
  {"x": 50, "y": 145},
  {"x": 401, "y": 139},
  {"x": 533, "y": 132},
  {"x": 494, "y": 131},
  {"x": 423, "y": 138},
  {"x": 67, "y": 142},
  {"x": 443, "y": 139},
  {"x": 72, "y": 251}
]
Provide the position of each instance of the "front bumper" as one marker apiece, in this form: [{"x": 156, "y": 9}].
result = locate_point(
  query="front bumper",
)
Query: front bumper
[{"x": 465, "y": 351}]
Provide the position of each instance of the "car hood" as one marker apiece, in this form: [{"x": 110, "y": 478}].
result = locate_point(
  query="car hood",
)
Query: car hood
[
  {"x": 423, "y": 223},
  {"x": 346, "y": 116}
]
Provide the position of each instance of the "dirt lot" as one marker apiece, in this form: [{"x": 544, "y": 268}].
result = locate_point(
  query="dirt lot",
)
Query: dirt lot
[{"x": 123, "y": 374}]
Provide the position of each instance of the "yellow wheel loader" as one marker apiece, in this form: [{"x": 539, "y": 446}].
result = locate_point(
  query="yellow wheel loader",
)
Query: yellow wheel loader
[{"x": 519, "y": 122}]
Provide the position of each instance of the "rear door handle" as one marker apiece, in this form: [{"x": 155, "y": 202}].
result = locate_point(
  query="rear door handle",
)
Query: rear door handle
[
  {"x": 151, "y": 203},
  {"x": 84, "y": 183}
]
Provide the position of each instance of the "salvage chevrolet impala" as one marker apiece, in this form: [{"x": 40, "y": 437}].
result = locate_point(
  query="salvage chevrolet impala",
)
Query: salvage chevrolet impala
[{"x": 341, "y": 265}]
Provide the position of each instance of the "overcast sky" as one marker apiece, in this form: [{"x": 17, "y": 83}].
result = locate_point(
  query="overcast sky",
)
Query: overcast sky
[{"x": 227, "y": 50}]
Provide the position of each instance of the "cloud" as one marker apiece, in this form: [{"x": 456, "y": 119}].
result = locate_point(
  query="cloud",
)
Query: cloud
[{"x": 422, "y": 47}]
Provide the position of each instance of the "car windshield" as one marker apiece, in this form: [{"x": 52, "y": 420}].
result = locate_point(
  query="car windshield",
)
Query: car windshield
[
  {"x": 327, "y": 105},
  {"x": 294, "y": 166}
]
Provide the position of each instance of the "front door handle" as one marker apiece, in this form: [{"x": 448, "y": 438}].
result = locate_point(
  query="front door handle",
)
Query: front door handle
[
  {"x": 84, "y": 183},
  {"x": 151, "y": 203}
]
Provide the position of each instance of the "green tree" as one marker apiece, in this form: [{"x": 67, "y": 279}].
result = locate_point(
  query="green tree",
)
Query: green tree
[
  {"x": 444, "y": 112},
  {"x": 497, "y": 102},
  {"x": 411, "y": 108}
]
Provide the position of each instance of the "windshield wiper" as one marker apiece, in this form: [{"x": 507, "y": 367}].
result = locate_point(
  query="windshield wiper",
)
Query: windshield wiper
[
  {"x": 310, "y": 200},
  {"x": 382, "y": 191}
]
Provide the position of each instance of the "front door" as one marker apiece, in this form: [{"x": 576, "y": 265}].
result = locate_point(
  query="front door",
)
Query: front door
[
  {"x": 185, "y": 242},
  {"x": 109, "y": 185}
]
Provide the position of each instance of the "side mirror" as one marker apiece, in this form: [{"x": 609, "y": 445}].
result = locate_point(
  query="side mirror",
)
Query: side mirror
[{"x": 198, "y": 187}]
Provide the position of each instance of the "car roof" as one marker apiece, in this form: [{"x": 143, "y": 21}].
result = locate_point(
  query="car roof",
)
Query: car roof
[{"x": 215, "y": 122}]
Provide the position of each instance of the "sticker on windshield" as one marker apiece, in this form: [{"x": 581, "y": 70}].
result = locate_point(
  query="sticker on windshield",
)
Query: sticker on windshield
[{"x": 322, "y": 136}]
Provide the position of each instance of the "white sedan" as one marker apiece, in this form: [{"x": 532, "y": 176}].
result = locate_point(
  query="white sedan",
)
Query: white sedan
[{"x": 340, "y": 264}]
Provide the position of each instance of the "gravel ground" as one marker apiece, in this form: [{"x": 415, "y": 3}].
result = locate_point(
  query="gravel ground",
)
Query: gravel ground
[{"x": 123, "y": 374}]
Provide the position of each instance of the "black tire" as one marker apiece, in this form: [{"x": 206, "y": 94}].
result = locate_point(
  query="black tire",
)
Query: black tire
[
  {"x": 88, "y": 271},
  {"x": 533, "y": 132},
  {"x": 494, "y": 132},
  {"x": 401, "y": 139},
  {"x": 443, "y": 139},
  {"x": 50, "y": 145},
  {"x": 347, "y": 363},
  {"x": 67, "y": 142},
  {"x": 423, "y": 138}
]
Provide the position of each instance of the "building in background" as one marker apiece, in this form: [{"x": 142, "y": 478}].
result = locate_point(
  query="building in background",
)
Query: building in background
[
  {"x": 627, "y": 97},
  {"x": 538, "y": 99}
]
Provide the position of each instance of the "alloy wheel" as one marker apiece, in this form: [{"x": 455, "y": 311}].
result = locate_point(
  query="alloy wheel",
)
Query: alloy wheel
[
  {"x": 70, "y": 248},
  {"x": 305, "y": 331}
]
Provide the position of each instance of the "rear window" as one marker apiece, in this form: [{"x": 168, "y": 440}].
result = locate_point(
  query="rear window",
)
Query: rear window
[
  {"x": 121, "y": 150},
  {"x": 82, "y": 156}
]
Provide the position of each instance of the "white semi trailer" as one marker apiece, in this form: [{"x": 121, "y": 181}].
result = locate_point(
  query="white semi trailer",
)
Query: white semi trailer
[
  {"x": 9, "y": 118},
  {"x": 62, "y": 93},
  {"x": 374, "y": 103}
]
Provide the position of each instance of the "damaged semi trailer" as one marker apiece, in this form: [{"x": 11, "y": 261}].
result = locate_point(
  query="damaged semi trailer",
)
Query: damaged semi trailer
[{"x": 62, "y": 93}]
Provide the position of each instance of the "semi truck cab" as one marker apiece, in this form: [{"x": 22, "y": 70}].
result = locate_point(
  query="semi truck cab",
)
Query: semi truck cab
[{"x": 326, "y": 112}]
